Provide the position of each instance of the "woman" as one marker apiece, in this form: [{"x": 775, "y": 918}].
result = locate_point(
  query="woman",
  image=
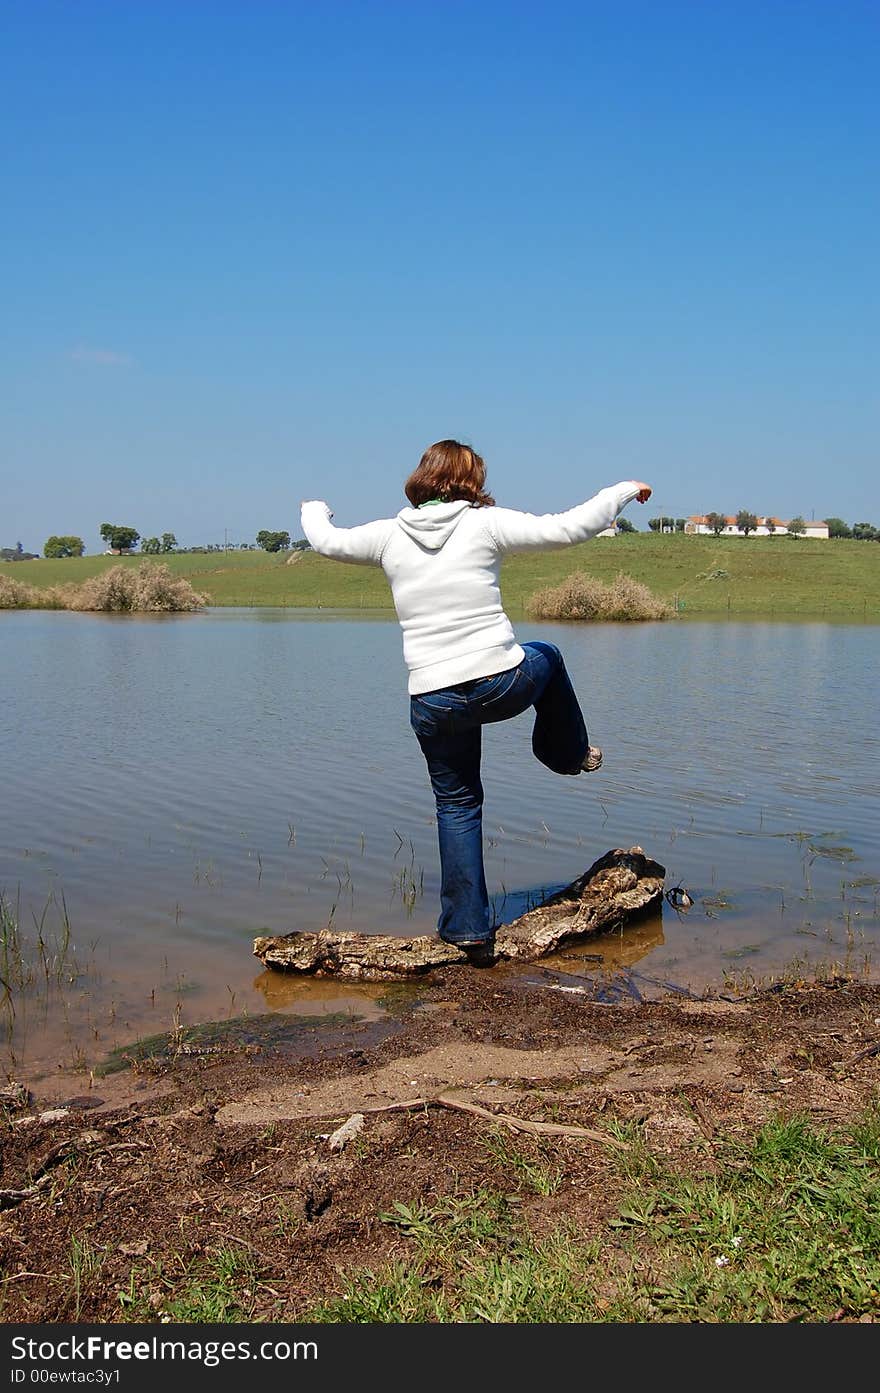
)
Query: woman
[{"x": 442, "y": 557}]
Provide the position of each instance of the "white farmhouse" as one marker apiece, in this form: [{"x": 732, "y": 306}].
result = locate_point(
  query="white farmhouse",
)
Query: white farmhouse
[{"x": 767, "y": 527}]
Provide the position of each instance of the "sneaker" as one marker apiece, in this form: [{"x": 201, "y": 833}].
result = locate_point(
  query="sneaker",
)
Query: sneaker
[
  {"x": 469, "y": 942},
  {"x": 592, "y": 759},
  {"x": 480, "y": 952}
]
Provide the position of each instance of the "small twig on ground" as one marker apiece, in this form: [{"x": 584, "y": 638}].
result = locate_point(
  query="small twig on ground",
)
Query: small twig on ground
[{"x": 8, "y": 1198}]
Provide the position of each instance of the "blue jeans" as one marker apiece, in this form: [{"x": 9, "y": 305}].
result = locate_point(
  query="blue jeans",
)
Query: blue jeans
[{"x": 448, "y": 726}]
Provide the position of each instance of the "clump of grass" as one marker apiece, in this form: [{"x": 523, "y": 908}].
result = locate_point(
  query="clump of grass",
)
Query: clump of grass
[
  {"x": 85, "y": 1264},
  {"x": 471, "y": 1261},
  {"x": 218, "y": 1289},
  {"x": 47, "y": 957},
  {"x": 36, "y": 967},
  {"x": 149, "y": 588},
  {"x": 533, "y": 1168},
  {"x": 581, "y": 596}
]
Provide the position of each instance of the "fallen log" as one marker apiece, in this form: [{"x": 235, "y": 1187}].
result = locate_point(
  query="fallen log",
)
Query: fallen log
[{"x": 622, "y": 885}]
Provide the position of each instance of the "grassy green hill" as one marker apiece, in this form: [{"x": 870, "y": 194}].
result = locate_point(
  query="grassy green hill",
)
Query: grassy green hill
[{"x": 705, "y": 576}]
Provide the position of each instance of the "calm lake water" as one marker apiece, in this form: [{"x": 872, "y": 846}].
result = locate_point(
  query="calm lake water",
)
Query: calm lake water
[{"x": 175, "y": 785}]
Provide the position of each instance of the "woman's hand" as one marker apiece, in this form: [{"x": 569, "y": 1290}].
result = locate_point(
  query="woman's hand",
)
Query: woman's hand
[{"x": 644, "y": 493}]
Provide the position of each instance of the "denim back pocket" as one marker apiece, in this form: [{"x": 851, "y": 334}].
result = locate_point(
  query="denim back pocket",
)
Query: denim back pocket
[
  {"x": 506, "y": 695},
  {"x": 433, "y": 713}
]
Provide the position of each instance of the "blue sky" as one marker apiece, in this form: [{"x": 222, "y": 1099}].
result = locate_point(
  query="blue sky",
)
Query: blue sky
[{"x": 258, "y": 252}]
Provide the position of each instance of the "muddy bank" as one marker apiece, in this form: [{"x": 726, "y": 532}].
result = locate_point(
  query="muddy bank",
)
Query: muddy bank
[{"x": 181, "y": 1154}]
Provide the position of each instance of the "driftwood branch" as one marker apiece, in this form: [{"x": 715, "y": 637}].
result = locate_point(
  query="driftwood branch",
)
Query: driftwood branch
[
  {"x": 522, "y": 1124},
  {"x": 622, "y": 885},
  {"x": 507, "y": 1119}
]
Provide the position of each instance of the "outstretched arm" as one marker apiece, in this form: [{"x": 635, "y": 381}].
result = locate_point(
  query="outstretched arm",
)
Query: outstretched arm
[
  {"x": 515, "y": 531},
  {"x": 362, "y": 545}
]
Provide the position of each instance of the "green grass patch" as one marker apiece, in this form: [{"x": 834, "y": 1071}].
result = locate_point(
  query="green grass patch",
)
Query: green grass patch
[
  {"x": 784, "y": 1228},
  {"x": 216, "y": 1290},
  {"x": 472, "y": 1261},
  {"x": 759, "y": 577},
  {"x": 789, "y": 1230},
  {"x": 271, "y": 1030}
]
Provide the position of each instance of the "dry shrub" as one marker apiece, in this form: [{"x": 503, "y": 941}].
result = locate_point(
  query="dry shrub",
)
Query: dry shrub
[
  {"x": 17, "y": 594},
  {"x": 14, "y": 594},
  {"x": 583, "y": 597},
  {"x": 149, "y": 588}
]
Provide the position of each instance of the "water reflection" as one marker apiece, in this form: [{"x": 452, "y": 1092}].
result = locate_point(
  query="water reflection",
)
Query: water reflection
[
  {"x": 611, "y": 952},
  {"x": 183, "y": 783},
  {"x": 315, "y": 996}
]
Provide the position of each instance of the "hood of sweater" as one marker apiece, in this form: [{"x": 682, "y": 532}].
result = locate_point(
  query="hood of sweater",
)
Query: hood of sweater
[{"x": 433, "y": 524}]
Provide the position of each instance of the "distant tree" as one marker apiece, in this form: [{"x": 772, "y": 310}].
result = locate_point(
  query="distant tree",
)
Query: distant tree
[
  {"x": 797, "y": 527},
  {"x": 169, "y": 542},
  {"x": 746, "y": 522},
  {"x": 119, "y": 539},
  {"x": 273, "y": 541},
  {"x": 837, "y": 527},
  {"x": 865, "y": 532},
  {"x": 151, "y": 546},
  {"x": 624, "y": 525},
  {"x": 680, "y": 524},
  {"x": 661, "y": 524},
  {"x": 19, "y": 549},
  {"x": 770, "y": 525},
  {"x": 717, "y": 522},
  {"x": 56, "y": 547}
]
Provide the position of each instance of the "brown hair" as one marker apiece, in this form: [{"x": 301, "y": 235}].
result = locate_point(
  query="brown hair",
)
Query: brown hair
[{"x": 449, "y": 471}]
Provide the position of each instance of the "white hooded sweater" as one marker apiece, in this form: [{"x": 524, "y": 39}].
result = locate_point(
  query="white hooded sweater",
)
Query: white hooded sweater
[{"x": 442, "y": 561}]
